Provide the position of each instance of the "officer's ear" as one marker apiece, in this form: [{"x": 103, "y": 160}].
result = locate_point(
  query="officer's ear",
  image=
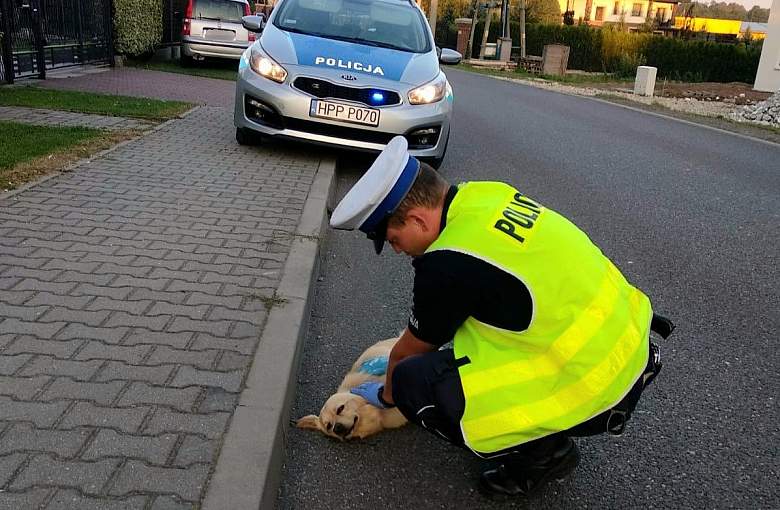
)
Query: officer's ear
[
  {"x": 417, "y": 220},
  {"x": 423, "y": 218}
]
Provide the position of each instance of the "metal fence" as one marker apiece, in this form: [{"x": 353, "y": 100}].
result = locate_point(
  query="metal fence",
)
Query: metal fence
[
  {"x": 173, "y": 17},
  {"x": 47, "y": 34}
]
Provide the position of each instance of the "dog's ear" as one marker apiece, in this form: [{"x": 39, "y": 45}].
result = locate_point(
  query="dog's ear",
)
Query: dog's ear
[{"x": 310, "y": 422}]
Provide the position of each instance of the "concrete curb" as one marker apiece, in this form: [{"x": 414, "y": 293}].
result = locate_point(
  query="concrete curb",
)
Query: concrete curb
[{"x": 248, "y": 471}]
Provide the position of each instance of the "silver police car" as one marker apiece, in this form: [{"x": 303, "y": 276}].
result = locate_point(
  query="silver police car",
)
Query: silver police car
[{"x": 347, "y": 73}]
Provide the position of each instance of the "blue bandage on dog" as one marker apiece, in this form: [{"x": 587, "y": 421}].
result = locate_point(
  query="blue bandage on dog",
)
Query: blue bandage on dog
[{"x": 374, "y": 366}]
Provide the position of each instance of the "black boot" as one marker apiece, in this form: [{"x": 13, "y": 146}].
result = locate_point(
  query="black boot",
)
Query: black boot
[{"x": 524, "y": 475}]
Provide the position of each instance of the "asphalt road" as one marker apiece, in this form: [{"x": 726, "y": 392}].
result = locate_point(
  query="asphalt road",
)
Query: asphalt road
[{"x": 690, "y": 215}]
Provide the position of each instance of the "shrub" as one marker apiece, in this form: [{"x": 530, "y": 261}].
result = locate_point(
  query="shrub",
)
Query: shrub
[
  {"x": 702, "y": 60},
  {"x": 137, "y": 26},
  {"x": 622, "y": 52},
  {"x": 611, "y": 50}
]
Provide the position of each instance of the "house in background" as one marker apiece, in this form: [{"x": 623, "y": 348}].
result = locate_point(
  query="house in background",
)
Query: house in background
[
  {"x": 713, "y": 29},
  {"x": 633, "y": 13},
  {"x": 710, "y": 29},
  {"x": 768, "y": 76},
  {"x": 756, "y": 30}
]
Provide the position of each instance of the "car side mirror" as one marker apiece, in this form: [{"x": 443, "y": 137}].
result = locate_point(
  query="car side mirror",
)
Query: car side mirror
[
  {"x": 449, "y": 57},
  {"x": 254, "y": 23}
]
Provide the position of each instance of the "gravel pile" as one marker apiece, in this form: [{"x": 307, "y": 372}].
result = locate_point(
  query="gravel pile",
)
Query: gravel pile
[{"x": 766, "y": 112}]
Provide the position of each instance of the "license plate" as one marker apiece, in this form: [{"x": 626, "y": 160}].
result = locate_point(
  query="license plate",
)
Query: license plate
[
  {"x": 215, "y": 34},
  {"x": 344, "y": 112}
]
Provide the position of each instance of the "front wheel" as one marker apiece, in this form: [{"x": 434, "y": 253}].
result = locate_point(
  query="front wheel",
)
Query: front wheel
[{"x": 247, "y": 137}]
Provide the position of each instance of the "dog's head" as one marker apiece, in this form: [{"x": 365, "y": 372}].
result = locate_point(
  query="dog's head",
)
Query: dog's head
[{"x": 340, "y": 416}]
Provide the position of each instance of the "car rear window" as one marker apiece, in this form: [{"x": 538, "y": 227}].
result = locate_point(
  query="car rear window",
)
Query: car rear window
[
  {"x": 225, "y": 10},
  {"x": 391, "y": 24}
]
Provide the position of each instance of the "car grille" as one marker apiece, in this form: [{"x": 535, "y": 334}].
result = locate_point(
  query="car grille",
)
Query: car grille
[
  {"x": 324, "y": 89},
  {"x": 319, "y": 128}
]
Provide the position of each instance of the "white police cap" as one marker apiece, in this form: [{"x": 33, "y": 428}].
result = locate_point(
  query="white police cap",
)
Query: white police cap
[{"x": 376, "y": 195}]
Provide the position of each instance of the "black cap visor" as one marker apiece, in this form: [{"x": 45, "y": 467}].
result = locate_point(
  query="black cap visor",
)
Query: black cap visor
[{"x": 379, "y": 234}]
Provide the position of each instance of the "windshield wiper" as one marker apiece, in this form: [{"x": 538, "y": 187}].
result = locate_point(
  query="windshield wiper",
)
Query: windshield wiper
[
  {"x": 357, "y": 40},
  {"x": 297, "y": 30},
  {"x": 200, "y": 16},
  {"x": 364, "y": 41},
  {"x": 380, "y": 44}
]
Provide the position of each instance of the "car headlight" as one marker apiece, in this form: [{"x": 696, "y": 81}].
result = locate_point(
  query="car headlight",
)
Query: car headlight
[
  {"x": 431, "y": 92},
  {"x": 267, "y": 67}
]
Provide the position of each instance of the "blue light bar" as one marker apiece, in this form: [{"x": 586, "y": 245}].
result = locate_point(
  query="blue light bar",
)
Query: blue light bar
[{"x": 377, "y": 97}]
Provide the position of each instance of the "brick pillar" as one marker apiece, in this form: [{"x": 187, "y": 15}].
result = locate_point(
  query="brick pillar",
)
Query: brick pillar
[{"x": 464, "y": 28}]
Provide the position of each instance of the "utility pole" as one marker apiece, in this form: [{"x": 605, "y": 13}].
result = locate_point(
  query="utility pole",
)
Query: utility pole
[
  {"x": 505, "y": 41},
  {"x": 485, "y": 31},
  {"x": 522, "y": 7},
  {"x": 470, "y": 50},
  {"x": 432, "y": 16}
]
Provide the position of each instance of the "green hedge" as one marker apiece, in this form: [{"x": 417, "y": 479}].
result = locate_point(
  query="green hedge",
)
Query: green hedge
[
  {"x": 612, "y": 51},
  {"x": 702, "y": 60},
  {"x": 138, "y": 26}
]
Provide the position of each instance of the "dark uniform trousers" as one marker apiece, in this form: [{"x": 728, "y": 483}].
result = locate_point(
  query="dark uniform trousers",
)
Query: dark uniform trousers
[{"x": 428, "y": 392}]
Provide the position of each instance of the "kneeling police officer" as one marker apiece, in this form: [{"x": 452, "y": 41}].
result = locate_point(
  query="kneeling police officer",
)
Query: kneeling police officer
[{"x": 549, "y": 339}]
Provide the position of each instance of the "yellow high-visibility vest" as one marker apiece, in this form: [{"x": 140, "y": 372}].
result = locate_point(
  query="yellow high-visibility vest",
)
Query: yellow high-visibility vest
[{"x": 587, "y": 342}]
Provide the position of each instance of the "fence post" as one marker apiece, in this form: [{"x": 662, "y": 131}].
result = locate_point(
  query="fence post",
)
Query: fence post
[
  {"x": 80, "y": 29},
  {"x": 37, "y": 30},
  {"x": 109, "y": 16},
  {"x": 5, "y": 41}
]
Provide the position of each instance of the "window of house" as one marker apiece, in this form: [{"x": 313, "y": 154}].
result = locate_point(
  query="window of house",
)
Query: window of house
[
  {"x": 599, "y": 14},
  {"x": 660, "y": 14},
  {"x": 616, "y": 9},
  {"x": 636, "y": 10}
]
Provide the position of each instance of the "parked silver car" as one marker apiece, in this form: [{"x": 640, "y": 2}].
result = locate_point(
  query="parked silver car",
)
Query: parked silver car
[
  {"x": 347, "y": 73},
  {"x": 212, "y": 28}
]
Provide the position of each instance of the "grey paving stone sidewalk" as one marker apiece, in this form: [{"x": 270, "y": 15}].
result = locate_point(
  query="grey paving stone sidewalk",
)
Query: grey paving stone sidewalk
[
  {"x": 132, "y": 295},
  {"x": 40, "y": 117},
  {"x": 130, "y": 81}
]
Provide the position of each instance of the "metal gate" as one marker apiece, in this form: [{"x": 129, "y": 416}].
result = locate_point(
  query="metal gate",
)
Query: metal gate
[
  {"x": 47, "y": 34},
  {"x": 173, "y": 18}
]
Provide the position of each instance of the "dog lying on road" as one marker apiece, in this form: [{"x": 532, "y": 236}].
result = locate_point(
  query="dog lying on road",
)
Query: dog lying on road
[{"x": 348, "y": 416}]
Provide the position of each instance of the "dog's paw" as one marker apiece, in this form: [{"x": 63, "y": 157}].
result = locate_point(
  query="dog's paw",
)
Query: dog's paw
[{"x": 310, "y": 422}]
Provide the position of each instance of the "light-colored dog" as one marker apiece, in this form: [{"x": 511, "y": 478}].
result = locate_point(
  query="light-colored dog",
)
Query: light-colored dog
[{"x": 348, "y": 416}]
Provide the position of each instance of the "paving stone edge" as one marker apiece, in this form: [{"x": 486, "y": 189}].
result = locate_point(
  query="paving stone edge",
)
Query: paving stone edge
[
  {"x": 72, "y": 166},
  {"x": 248, "y": 471}
]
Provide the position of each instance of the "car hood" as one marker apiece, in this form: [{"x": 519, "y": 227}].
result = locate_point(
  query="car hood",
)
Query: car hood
[{"x": 329, "y": 54}]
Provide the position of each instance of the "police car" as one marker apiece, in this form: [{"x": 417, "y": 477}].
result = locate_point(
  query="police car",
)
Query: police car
[{"x": 348, "y": 73}]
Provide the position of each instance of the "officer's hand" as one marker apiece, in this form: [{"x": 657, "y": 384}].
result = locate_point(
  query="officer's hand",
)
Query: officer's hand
[{"x": 371, "y": 391}]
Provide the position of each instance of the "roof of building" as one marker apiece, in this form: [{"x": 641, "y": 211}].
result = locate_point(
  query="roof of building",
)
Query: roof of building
[{"x": 754, "y": 27}]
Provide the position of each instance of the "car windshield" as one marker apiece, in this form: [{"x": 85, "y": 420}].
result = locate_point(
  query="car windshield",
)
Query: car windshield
[
  {"x": 388, "y": 24},
  {"x": 225, "y": 10}
]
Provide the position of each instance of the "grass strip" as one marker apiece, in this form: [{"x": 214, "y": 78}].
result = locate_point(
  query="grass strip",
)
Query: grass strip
[
  {"x": 85, "y": 102},
  {"x": 219, "y": 70},
  {"x": 29, "y": 152}
]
